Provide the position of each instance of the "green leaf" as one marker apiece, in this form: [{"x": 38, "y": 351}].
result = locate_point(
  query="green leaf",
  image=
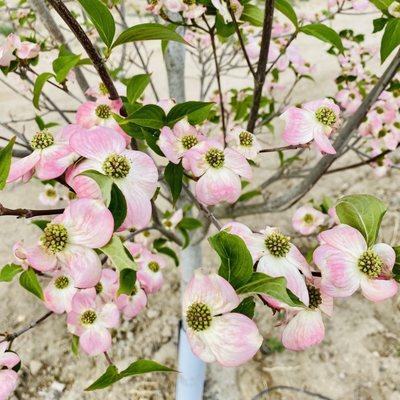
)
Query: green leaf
[
  {"x": 75, "y": 345},
  {"x": 117, "y": 206},
  {"x": 287, "y": 10},
  {"x": 249, "y": 195},
  {"x": 324, "y": 33},
  {"x": 40, "y": 223},
  {"x": 8, "y": 272},
  {"x": 364, "y": 213},
  {"x": 127, "y": 280},
  {"x": 149, "y": 116},
  {"x": 102, "y": 19},
  {"x": 252, "y": 14},
  {"x": 173, "y": 175},
  {"x": 38, "y": 87},
  {"x": 189, "y": 224},
  {"x": 136, "y": 86},
  {"x": 236, "y": 261},
  {"x": 246, "y": 307},
  {"x": 144, "y": 367},
  {"x": 170, "y": 253},
  {"x": 224, "y": 29},
  {"x": 261, "y": 283},
  {"x": 118, "y": 255},
  {"x": 64, "y": 63},
  {"x": 382, "y": 4},
  {"x": 379, "y": 24},
  {"x": 191, "y": 109},
  {"x": 390, "y": 38},
  {"x": 147, "y": 31},
  {"x": 5, "y": 162},
  {"x": 136, "y": 368},
  {"x": 108, "y": 378},
  {"x": 396, "y": 267},
  {"x": 104, "y": 182},
  {"x": 29, "y": 281}
]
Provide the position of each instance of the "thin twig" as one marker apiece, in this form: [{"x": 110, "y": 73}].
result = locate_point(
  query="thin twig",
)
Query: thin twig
[
  {"x": 9, "y": 337},
  {"x": 27, "y": 213},
  {"x": 285, "y": 148},
  {"x": 290, "y": 388}
]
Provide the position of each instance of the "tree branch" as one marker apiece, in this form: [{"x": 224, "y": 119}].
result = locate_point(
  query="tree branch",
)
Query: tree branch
[
  {"x": 27, "y": 213},
  {"x": 9, "y": 337},
  {"x": 259, "y": 79},
  {"x": 91, "y": 51}
]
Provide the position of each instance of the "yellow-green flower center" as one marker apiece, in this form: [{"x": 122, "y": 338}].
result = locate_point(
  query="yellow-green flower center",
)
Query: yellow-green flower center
[
  {"x": 99, "y": 288},
  {"x": 277, "y": 244},
  {"x": 215, "y": 158},
  {"x": 325, "y": 116},
  {"x": 370, "y": 264},
  {"x": 154, "y": 266},
  {"x": 116, "y": 166},
  {"x": 189, "y": 141},
  {"x": 308, "y": 219},
  {"x": 189, "y": 2},
  {"x": 51, "y": 193},
  {"x": 198, "y": 317},
  {"x": 246, "y": 139},
  {"x": 88, "y": 317},
  {"x": 314, "y": 295},
  {"x": 61, "y": 282},
  {"x": 103, "y": 111},
  {"x": 54, "y": 237},
  {"x": 42, "y": 140}
]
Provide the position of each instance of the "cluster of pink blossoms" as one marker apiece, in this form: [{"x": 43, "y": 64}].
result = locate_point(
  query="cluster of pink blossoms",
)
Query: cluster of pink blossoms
[
  {"x": 343, "y": 264},
  {"x": 216, "y": 168},
  {"x": 14, "y": 47},
  {"x": 9, "y": 362}
]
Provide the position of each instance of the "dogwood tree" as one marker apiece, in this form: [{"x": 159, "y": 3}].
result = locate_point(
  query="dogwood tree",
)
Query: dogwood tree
[{"x": 141, "y": 180}]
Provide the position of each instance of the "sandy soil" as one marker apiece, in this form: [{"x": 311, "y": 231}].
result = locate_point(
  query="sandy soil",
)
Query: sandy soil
[{"x": 359, "y": 359}]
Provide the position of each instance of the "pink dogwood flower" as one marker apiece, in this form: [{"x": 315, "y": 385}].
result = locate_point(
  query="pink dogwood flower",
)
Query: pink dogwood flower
[
  {"x": 100, "y": 113},
  {"x": 176, "y": 142},
  {"x": 106, "y": 289},
  {"x": 50, "y": 157},
  {"x": 49, "y": 196},
  {"x": 69, "y": 239},
  {"x": 131, "y": 306},
  {"x": 215, "y": 333},
  {"x": 59, "y": 293},
  {"x": 347, "y": 263},
  {"x": 91, "y": 321},
  {"x": 314, "y": 121},
  {"x": 218, "y": 170},
  {"x": 279, "y": 257},
  {"x": 244, "y": 143},
  {"x": 173, "y": 220},
  {"x": 8, "y": 377},
  {"x": 134, "y": 172},
  {"x": 306, "y": 328},
  {"x": 7, "y": 51},
  {"x": 25, "y": 49},
  {"x": 150, "y": 272},
  {"x": 307, "y": 220}
]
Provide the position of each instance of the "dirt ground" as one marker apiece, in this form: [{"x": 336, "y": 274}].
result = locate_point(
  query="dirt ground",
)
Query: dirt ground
[{"x": 358, "y": 360}]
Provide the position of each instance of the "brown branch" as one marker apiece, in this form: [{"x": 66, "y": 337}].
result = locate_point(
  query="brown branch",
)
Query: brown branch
[
  {"x": 91, "y": 51},
  {"x": 9, "y": 337},
  {"x": 260, "y": 76},
  {"x": 211, "y": 31},
  {"x": 361, "y": 163},
  {"x": 26, "y": 213},
  {"x": 159, "y": 226},
  {"x": 239, "y": 35},
  {"x": 285, "y": 148}
]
